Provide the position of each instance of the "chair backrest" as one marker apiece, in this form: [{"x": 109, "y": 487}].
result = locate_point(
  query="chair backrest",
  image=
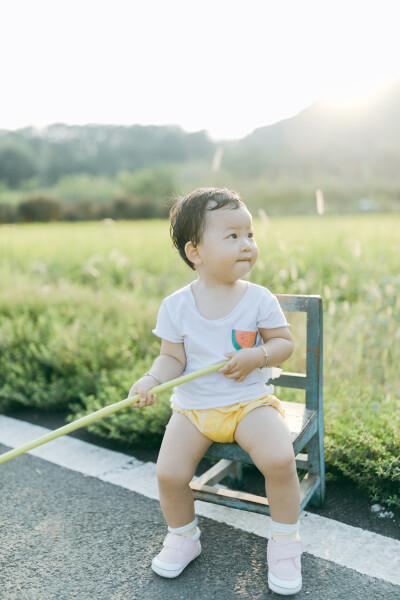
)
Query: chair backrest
[{"x": 311, "y": 382}]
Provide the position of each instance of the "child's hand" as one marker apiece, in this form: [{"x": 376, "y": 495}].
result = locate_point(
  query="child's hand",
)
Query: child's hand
[
  {"x": 242, "y": 363},
  {"x": 142, "y": 387}
]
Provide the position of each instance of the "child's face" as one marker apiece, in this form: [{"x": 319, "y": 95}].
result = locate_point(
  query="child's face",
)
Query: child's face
[{"x": 228, "y": 250}]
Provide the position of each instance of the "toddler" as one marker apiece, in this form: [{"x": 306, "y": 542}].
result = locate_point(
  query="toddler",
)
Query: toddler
[{"x": 221, "y": 316}]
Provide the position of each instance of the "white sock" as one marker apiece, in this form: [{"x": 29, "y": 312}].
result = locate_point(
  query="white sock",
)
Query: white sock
[
  {"x": 187, "y": 530},
  {"x": 283, "y": 531}
]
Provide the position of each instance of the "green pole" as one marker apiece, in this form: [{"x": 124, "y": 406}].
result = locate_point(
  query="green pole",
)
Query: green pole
[{"x": 105, "y": 412}]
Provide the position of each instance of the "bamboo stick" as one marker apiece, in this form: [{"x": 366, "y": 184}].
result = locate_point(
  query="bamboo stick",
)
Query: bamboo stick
[{"x": 105, "y": 412}]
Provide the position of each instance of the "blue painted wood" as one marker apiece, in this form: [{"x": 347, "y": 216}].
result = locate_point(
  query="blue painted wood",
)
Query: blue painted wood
[
  {"x": 291, "y": 380},
  {"x": 296, "y": 303},
  {"x": 314, "y": 396}
]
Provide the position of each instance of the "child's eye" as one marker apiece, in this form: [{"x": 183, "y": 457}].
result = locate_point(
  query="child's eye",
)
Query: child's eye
[
  {"x": 251, "y": 234},
  {"x": 233, "y": 236}
]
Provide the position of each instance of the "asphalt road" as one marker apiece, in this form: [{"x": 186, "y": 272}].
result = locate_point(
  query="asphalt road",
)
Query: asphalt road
[{"x": 64, "y": 535}]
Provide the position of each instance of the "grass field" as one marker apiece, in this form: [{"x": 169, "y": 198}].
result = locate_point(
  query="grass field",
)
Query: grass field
[{"x": 78, "y": 302}]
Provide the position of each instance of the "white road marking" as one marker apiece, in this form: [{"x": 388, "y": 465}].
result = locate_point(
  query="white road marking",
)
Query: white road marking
[{"x": 352, "y": 547}]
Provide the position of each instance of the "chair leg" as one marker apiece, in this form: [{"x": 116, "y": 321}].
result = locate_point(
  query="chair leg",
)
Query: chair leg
[
  {"x": 235, "y": 477},
  {"x": 316, "y": 460}
]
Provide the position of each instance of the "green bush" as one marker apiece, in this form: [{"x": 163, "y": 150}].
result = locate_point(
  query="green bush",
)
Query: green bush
[
  {"x": 362, "y": 442},
  {"x": 40, "y": 209},
  {"x": 144, "y": 428},
  {"x": 8, "y": 213},
  {"x": 57, "y": 354},
  {"x": 135, "y": 208}
]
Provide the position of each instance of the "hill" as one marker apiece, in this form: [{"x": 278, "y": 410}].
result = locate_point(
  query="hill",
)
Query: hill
[{"x": 341, "y": 139}]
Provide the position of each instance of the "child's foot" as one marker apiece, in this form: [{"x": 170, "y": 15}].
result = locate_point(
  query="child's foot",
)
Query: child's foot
[
  {"x": 178, "y": 551},
  {"x": 284, "y": 566}
]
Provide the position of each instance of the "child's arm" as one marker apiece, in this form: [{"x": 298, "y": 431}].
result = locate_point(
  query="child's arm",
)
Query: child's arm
[
  {"x": 278, "y": 344},
  {"x": 168, "y": 365}
]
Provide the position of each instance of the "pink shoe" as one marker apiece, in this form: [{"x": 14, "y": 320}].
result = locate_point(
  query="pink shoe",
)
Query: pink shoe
[
  {"x": 178, "y": 551},
  {"x": 284, "y": 566}
]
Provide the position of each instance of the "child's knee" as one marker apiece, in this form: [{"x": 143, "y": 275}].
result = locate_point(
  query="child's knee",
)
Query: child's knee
[
  {"x": 279, "y": 465},
  {"x": 171, "y": 476}
]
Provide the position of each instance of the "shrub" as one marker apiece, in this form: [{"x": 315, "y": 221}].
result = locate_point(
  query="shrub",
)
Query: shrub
[
  {"x": 8, "y": 213},
  {"x": 361, "y": 440},
  {"x": 87, "y": 209},
  {"x": 40, "y": 208},
  {"x": 143, "y": 207},
  {"x": 133, "y": 426}
]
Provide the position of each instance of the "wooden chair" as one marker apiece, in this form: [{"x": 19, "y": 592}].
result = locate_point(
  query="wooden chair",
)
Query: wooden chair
[{"x": 304, "y": 420}]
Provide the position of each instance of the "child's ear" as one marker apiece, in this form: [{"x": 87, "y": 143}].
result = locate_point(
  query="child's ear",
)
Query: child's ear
[{"x": 192, "y": 252}]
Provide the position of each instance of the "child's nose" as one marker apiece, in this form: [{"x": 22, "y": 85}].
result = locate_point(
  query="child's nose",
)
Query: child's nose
[{"x": 246, "y": 244}]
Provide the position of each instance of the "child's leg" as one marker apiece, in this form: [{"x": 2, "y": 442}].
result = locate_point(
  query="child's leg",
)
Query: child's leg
[
  {"x": 181, "y": 450},
  {"x": 263, "y": 434}
]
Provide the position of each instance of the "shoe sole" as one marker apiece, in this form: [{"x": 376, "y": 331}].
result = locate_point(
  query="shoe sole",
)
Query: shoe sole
[
  {"x": 171, "y": 574},
  {"x": 281, "y": 589}
]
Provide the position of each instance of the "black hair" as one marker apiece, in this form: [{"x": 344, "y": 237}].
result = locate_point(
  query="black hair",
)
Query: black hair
[{"x": 188, "y": 215}]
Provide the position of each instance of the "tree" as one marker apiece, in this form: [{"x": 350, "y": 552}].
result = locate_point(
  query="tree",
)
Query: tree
[{"x": 16, "y": 164}]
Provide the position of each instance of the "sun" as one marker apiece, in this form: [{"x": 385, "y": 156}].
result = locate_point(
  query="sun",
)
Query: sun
[{"x": 351, "y": 96}]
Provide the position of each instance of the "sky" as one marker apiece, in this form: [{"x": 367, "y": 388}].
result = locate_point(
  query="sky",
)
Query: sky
[{"x": 226, "y": 66}]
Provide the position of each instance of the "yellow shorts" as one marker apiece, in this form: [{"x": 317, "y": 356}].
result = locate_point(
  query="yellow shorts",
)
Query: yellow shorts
[{"x": 219, "y": 424}]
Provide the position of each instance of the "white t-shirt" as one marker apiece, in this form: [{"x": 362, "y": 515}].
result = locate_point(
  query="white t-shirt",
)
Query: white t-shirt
[{"x": 206, "y": 341}]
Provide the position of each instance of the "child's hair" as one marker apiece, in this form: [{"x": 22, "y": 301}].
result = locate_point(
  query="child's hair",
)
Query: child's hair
[{"x": 188, "y": 215}]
